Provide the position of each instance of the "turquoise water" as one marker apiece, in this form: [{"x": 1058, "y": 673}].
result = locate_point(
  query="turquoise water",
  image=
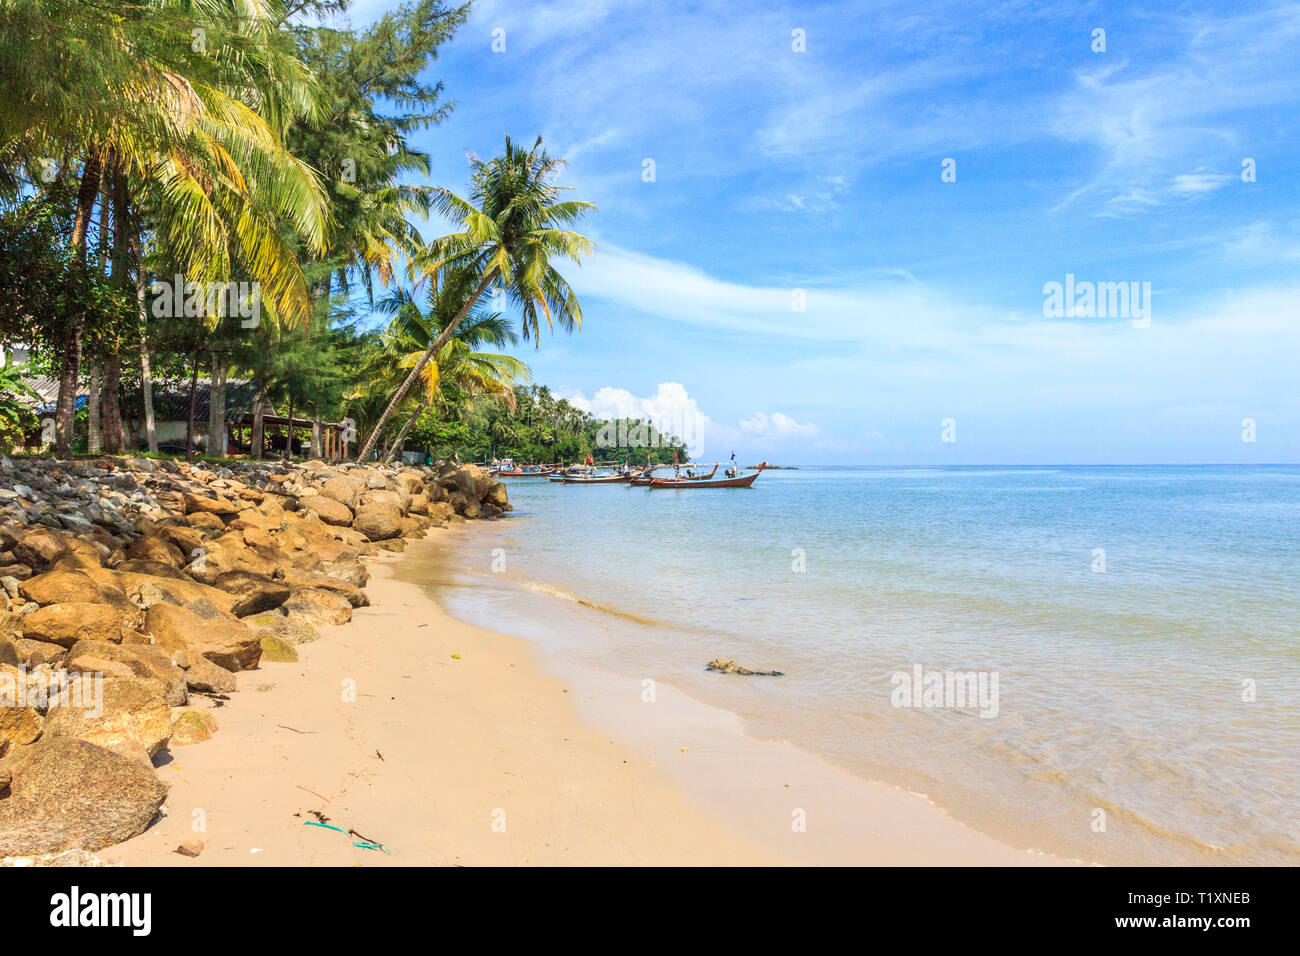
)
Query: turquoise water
[{"x": 1119, "y": 690}]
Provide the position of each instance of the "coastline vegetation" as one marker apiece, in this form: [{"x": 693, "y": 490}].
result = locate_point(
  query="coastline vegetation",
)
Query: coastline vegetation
[{"x": 218, "y": 200}]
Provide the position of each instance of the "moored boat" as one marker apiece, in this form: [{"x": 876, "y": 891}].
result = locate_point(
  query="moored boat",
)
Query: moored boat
[{"x": 740, "y": 481}]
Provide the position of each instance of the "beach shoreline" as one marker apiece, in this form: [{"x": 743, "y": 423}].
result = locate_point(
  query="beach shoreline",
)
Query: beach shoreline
[{"x": 490, "y": 758}]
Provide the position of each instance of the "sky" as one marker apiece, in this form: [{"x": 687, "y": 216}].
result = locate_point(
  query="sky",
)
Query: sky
[{"x": 827, "y": 232}]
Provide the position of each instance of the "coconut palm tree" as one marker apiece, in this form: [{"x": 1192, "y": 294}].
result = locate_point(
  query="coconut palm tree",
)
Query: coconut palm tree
[
  {"x": 181, "y": 101},
  {"x": 512, "y": 227},
  {"x": 459, "y": 360}
]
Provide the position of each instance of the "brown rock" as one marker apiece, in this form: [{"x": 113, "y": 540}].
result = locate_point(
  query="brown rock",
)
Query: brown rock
[
  {"x": 190, "y": 848},
  {"x": 377, "y": 524},
  {"x": 61, "y": 586},
  {"x": 34, "y": 653},
  {"x": 206, "y": 677},
  {"x": 329, "y": 510},
  {"x": 153, "y": 547},
  {"x": 139, "y": 660},
  {"x": 318, "y": 607},
  {"x": 19, "y": 726},
  {"x": 278, "y": 625},
  {"x": 192, "y": 725},
  {"x": 227, "y": 644},
  {"x": 66, "y": 624},
  {"x": 39, "y": 549},
  {"x": 255, "y": 593},
  {"x": 196, "y": 504},
  {"x": 66, "y": 793},
  {"x": 111, "y": 712}
]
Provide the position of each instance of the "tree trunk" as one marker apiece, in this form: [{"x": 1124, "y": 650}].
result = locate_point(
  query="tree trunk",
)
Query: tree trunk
[
  {"x": 424, "y": 403},
  {"x": 93, "y": 442},
  {"x": 217, "y": 407},
  {"x": 288, "y": 437},
  {"x": 70, "y": 359},
  {"x": 189, "y": 423},
  {"x": 317, "y": 451},
  {"x": 146, "y": 375},
  {"x": 258, "y": 438},
  {"x": 110, "y": 398},
  {"x": 438, "y": 343}
]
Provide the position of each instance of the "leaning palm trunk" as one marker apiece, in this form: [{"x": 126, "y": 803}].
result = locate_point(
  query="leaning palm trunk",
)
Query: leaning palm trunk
[
  {"x": 424, "y": 403},
  {"x": 438, "y": 343}
]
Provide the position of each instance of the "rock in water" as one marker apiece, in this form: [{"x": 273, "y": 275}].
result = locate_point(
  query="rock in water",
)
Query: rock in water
[
  {"x": 68, "y": 794},
  {"x": 731, "y": 667}
]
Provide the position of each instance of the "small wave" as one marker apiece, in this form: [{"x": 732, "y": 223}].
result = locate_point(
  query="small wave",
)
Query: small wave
[{"x": 550, "y": 590}]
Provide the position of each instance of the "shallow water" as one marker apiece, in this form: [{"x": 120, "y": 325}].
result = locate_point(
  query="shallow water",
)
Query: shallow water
[{"x": 1120, "y": 610}]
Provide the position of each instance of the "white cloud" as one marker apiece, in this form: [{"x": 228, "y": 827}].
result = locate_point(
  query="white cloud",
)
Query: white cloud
[{"x": 776, "y": 425}]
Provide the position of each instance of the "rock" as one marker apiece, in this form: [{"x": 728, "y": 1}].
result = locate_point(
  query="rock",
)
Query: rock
[
  {"x": 731, "y": 667},
  {"x": 205, "y": 677},
  {"x": 67, "y": 624},
  {"x": 351, "y": 593},
  {"x": 19, "y": 726},
  {"x": 227, "y": 644},
  {"x": 329, "y": 510},
  {"x": 139, "y": 660},
  {"x": 66, "y": 793},
  {"x": 154, "y": 569},
  {"x": 277, "y": 650},
  {"x": 111, "y": 712},
  {"x": 318, "y": 607},
  {"x": 496, "y": 494},
  {"x": 62, "y": 586},
  {"x": 255, "y": 593},
  {"x": 192, "y": 725},
  {"x": 190, "y": 848},
  {"x": 342, "y": 490},
  {"x": 34, "y": 653},
  {"x": 288, "y": 629},
  {"x": 195, "y": 504},
  {"x": 156, "y": 548},
  {"x": 377, "y": 524},
  {"x": 39, "y": 549}
]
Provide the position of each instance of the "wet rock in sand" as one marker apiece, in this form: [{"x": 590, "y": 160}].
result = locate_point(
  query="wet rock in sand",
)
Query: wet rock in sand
[{"x": 731, "y": 667}]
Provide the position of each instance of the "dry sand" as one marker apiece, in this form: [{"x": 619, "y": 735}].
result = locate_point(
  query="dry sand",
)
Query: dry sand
[{"x": 491, "y": 759}]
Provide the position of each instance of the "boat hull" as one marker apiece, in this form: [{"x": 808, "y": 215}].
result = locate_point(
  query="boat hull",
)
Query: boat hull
[{"x": 741, "y": 482}]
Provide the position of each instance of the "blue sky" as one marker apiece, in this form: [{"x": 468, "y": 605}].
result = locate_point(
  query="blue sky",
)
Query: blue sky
[{"x": 777, "y": 170}]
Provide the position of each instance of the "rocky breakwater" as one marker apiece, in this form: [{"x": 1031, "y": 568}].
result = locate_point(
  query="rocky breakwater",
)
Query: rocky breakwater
[{"x": 132, "y": 592}]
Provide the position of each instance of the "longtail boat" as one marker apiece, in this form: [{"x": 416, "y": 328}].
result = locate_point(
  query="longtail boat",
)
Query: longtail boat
[
  {"x": 740, "y": 481},
  {"x": 594, "y": 479},
  {"x": 522, "y": 473}
]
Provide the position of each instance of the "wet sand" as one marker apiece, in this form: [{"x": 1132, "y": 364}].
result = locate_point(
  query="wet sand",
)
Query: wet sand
[{"x": 492, "y": 759}]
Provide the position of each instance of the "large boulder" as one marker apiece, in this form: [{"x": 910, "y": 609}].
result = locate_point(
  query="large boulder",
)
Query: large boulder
[
  {"x": 377, "y": 523},
  {"x": 341, "y": 489},
  {"x": 196, "y": 504},
  {"x": 349, "y": 592},
  {"x": 154, "y": 547},
  {"x": 138, "y": 660},
  {"x": 192, "y": 725},
  {"x": 206, "y": 677},
  {"x": 277, "y": 624},
  {"x": 39, "y": 549},
  {"x": 255, "y": 593},
  {"x": 116, "y": 712},
  {"x": 227, "y": 644},
  {"x": 318, "y": 607},
  {"x": 330, "y": 511},
  {"x": 74, "y": 621},
  {"x": 61, "y": 586},
  {"x": 66, "y": 793},
  {"x": 19, "y": 726}
]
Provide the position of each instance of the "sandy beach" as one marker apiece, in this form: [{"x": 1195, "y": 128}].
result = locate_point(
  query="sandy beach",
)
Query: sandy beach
[{"x": 488, "y": 758}]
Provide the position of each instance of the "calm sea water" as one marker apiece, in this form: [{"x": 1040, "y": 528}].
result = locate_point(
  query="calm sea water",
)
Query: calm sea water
[{"x": 1128, "y": 613}]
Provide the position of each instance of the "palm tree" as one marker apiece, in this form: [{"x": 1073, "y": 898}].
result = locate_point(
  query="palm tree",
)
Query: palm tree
[
  {"x": 512, "y": 227},
  {"x": 128, "y": 90},
  {"x": 458, "y": 361}
]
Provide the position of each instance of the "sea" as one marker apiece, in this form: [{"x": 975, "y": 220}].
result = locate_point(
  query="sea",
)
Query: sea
[{"x": 1101, "y": 663}]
